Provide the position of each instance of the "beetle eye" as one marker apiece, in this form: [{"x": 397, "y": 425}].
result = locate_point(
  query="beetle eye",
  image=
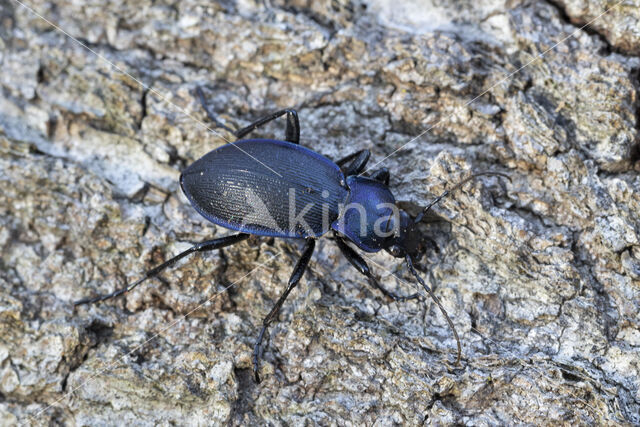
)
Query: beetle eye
[{"x": 396, "y": 251}]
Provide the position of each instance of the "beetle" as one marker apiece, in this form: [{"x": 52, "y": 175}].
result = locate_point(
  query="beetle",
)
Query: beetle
[{"x": 255, "y": 198}]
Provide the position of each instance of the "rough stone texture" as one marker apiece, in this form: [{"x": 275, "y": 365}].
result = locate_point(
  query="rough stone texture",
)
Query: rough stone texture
[
  {"x": 541, "y": 274},
  {"x": 617, "y": 21}
]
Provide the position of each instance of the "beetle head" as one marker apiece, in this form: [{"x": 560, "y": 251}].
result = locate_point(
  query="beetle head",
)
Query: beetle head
[{"x": 405, "y": 240}]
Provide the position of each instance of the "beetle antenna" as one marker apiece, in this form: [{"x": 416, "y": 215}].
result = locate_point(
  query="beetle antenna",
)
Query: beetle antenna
[
  {"x": 438, "y": 303},
  {"x": 455, "y": 187}
]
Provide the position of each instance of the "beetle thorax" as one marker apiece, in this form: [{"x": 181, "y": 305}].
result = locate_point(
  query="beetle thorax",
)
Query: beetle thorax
[{"x": 367, "y": 218}]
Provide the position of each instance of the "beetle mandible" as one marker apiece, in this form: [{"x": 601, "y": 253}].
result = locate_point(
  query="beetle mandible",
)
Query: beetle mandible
[{"x": 229, "y": 189}]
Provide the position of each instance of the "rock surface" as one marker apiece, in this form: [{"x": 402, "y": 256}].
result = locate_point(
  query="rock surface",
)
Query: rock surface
[{"x": 541, "y": 274}]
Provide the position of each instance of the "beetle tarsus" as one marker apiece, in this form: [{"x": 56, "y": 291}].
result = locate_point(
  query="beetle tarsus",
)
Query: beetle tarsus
[
  {"x": 208, "y": 245},
  {"x": 399, "y": 298},
  {"x": 113, "y": 294},
  {"x": 296, "y": 275},
  {"x": 212, "y": 116},
  {"x": 257, "y": 355}
]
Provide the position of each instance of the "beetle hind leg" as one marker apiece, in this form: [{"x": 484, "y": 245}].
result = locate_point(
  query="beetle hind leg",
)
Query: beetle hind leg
[
  {"x": 208, "y": 245},
  {"x": 212, "y": 116},
  {"x": 298, "y": 271}
]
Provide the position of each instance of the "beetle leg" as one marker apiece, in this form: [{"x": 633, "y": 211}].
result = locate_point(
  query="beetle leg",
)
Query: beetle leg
[
  {"x": 381, "y": 175},
  {"x": 210, "y": 112},
  {"x": 292, "y": 133},
  {"x": 361, "y": 265},
  {"x": 298, "y": 271},
  {"x": 358, "y": 161},
  {"x": 209, "y": 245},
  {"x": 348, "y": 158}
]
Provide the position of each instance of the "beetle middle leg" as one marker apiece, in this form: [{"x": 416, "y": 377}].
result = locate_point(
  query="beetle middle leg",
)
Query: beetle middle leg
[
  {"x": 298, "y": 271},
  {"x": 210, "y": 112},
  {"x": 361, "y": 265},
  {"x": 292, "y": 132},
  {"x": 208, "y": 245},
  {"x": 358, "y": 161}
]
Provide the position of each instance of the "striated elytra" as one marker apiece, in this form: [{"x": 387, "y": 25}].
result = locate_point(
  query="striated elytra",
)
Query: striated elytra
[{"x": 274, "y": 188}]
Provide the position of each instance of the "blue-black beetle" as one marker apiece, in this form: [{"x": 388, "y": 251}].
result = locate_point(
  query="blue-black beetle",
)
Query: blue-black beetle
[{"x": 293, "y": 192}]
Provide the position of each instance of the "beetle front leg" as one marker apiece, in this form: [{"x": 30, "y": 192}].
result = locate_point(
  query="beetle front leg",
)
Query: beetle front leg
[
  {"x": 298, "y": 271},
  {"x": 381, "y": 175},
  {"x": 361, "y": 265}
]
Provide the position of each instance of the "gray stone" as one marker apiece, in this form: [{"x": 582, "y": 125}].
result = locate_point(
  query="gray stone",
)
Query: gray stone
[{"x": 541, "y": 275}]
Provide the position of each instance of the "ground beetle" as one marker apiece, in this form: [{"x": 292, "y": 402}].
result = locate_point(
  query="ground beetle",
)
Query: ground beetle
[{"x": 300, "y": 194}]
